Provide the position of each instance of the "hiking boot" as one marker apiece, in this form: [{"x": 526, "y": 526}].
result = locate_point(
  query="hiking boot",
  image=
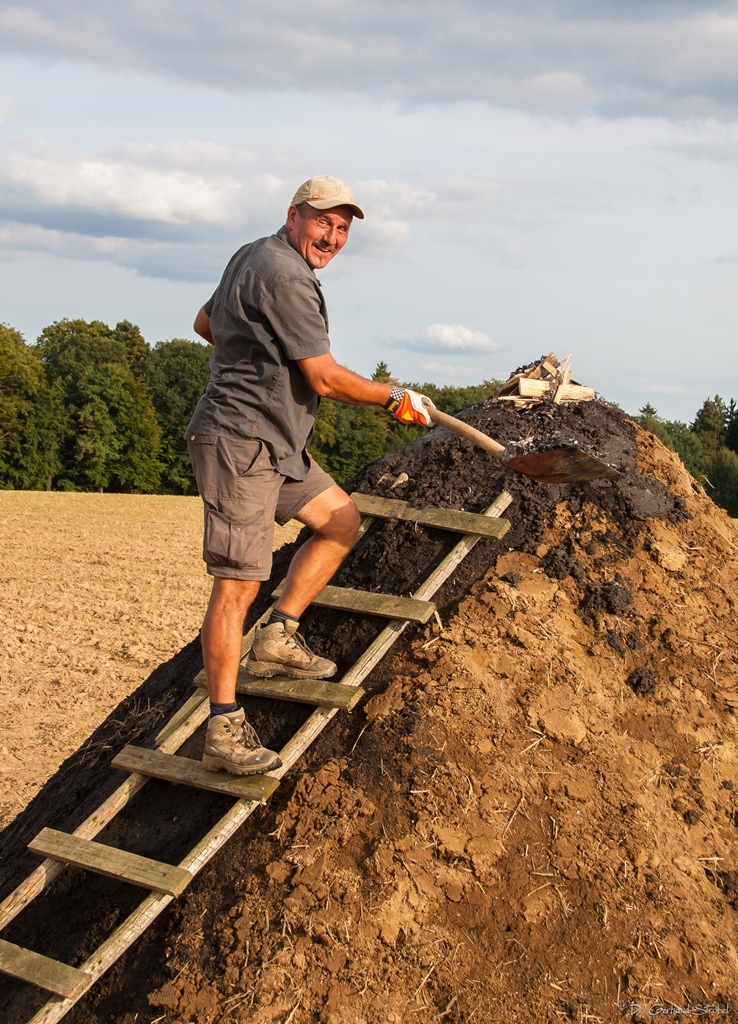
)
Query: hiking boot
[
  {"x": 279, "y": 649},
  {"x": 231, "y": 744}
]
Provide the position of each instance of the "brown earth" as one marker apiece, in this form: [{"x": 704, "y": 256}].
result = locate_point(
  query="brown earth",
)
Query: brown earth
[
  {"x": 98, "y": 589},
  {"x": 531, "y": 818}
]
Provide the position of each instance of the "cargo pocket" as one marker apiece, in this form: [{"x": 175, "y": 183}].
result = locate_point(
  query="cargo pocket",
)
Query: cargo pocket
[
  {"x": 243, "y": 454},
  {"x": 232, "y": 542}
]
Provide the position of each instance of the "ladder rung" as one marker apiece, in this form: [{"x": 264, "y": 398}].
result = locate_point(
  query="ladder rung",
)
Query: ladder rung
[
  {"x": 385, "y": 605},
  {"x": 107, "y": 860},
  {"x": 320, "y": 692},
  {"x": 192, "y": 773},
  {"x": 440, "y": 518},
  {"x": 52, "y": 975}
]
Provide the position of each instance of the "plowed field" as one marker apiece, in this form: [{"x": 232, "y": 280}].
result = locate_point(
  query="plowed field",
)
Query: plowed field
[{"x": 98, "y": 589}]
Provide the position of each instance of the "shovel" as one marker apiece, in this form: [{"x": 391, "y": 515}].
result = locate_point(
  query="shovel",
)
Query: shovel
[{"x": 549, "y": 460}]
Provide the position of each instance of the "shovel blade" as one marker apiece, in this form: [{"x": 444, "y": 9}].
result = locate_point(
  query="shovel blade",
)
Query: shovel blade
[{"x": 560, "y": 466}]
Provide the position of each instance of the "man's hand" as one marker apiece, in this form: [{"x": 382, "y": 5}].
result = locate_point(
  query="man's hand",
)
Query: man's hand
[{"x": 409, "y": 407}]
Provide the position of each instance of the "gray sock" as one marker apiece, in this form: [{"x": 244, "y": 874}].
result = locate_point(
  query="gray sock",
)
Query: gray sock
[
  {"x": 222, "y": 709},
  {"x": 278, "y": 616}
]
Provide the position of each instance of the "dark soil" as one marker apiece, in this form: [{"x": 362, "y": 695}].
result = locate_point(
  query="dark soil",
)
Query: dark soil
[{"x": 643, "y": 681}]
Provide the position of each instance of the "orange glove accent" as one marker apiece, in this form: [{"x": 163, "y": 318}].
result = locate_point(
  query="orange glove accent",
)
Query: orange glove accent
[{"x": 407, "y": 407}]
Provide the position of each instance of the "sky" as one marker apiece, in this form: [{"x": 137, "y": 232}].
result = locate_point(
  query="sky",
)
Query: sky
[{"x": 538, "y": 176}]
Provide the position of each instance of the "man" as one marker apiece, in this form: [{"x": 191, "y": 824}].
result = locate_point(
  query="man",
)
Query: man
[{"x": 270, "y": 364}]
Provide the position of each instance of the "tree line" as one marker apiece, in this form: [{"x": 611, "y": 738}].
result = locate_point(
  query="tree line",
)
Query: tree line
[
  {"x": 708, "y": 446},
  {"x": 92, "y": 407}
]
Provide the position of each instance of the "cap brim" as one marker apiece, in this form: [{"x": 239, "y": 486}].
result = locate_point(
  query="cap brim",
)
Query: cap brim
[{"x": 331, "y": 204}]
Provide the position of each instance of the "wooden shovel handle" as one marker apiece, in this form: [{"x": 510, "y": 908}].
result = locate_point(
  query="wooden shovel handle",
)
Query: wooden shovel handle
[{"x": 464, "y": 430}]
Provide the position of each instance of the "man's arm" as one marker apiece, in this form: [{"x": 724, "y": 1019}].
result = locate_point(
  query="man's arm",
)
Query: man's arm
[
  {"x": 202, "y": 326},
  {"x": 329, "y": 379}
]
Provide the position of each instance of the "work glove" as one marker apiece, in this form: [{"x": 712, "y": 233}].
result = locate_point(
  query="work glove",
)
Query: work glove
[{"x": 408, "y": 407}]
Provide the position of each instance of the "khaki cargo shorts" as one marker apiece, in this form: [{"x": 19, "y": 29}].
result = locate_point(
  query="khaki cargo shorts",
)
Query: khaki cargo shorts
[{"x": 244, "y": 496}]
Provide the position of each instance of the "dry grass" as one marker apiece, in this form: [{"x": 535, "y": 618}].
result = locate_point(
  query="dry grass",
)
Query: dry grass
[{"x": 98, "y": 590}]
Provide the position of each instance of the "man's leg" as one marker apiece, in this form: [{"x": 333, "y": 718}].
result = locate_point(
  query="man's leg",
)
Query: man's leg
[
  {"x": 278, "y": 648},
  {"x": 334, "y": 520},
  {"x": 222, "y": 631},
  {"x": 230, "y": 742},
  {"x": 239, "y": 486}
]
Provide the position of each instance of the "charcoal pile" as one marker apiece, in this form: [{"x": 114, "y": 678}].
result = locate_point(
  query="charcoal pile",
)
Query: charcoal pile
[{"x": 531, "y": 817}]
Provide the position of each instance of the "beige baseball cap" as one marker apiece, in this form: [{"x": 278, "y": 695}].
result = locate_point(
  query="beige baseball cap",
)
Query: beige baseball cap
[{"x": 323, "y": 193}]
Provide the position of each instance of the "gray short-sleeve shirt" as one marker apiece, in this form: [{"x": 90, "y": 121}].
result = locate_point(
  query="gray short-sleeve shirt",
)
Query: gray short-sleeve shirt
[{"x": 267, "y": 312}]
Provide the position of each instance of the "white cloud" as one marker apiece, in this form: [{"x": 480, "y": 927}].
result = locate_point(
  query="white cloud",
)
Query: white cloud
[
  {"x": 199, "y": 155},
  {"x": 446, "y": 338},
  {"x": 201, "y": 193},
  {"x": 168, "y": 196},
  {"x": 552, "y": 59},
  {"x": 140, "y": 205},
  {"x": 137, "y": 207},
  {"x": 185, "y": 184},
  {"x": 727, "y": 258},
  {"x": 19, "y": 240},
  {"x": 147, "y": 257}
]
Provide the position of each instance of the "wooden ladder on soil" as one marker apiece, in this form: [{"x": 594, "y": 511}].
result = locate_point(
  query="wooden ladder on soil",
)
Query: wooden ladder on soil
[{"x": 164, "y": 882}]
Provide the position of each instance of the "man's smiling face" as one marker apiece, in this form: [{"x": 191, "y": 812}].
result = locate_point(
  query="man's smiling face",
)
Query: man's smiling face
[{"x": 318, "y": 234}]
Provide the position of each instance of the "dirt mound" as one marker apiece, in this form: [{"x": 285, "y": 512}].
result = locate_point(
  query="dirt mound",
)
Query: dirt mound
[{"x": 532, "y": 817}]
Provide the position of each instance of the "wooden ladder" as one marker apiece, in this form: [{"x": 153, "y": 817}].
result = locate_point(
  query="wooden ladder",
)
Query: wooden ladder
[{"x": 164, "y": 882}]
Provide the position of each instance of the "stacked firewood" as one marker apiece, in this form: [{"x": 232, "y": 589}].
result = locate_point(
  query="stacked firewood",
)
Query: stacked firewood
[{"x": 547, "y": 381}]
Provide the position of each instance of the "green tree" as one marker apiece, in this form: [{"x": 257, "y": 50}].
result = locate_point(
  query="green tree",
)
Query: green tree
[
  {"x": 177, "y": 373},
  {"x": 324, "y": 431},
  {"x": 710, "y": 425},
  {"x": 117, "y": 436},
  {"x": 451, "y": 399},
  {"x": 28, "y": 411},
  {"x": 731, "y": 426},
  {"x": 382, "y": 373},
  {"x": 137, "y": 349},
  {"x": 346, "y": 437},
  {"x": 109, "y": 434},
  {"x": 678, "y": 437},
  {"x": 688, "y": 446},
  {"x": 723, "y": 476},
  {"x": 649, "y": 419}
]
